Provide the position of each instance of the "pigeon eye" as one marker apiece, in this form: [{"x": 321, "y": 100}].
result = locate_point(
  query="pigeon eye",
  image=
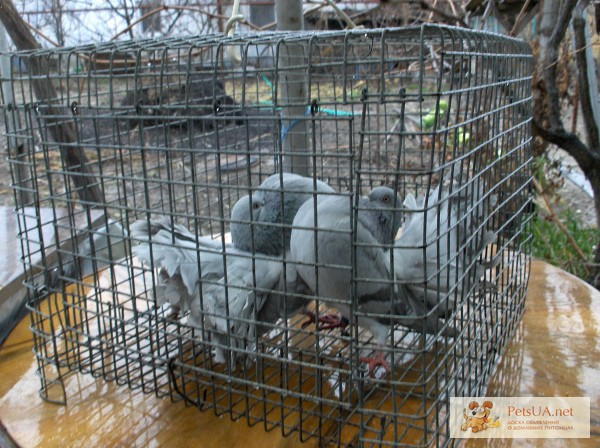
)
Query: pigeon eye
[
  {"x": 255, "y": 205},
  {"x": 386, "y": 199}
]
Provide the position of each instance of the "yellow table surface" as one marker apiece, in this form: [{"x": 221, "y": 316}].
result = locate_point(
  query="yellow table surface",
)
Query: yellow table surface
[{"x": 555, "y": 352}]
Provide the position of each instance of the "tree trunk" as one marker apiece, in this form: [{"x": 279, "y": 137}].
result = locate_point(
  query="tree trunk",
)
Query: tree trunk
[
  {"x": 62, "y": 132},
  {"x": 547, "y": 122}
]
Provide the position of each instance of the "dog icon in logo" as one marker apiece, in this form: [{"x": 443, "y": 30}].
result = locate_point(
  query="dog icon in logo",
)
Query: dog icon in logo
[{"x": 478, "y": 417}]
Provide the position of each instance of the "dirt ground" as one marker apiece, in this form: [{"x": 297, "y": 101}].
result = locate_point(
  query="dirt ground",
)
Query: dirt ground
[
  {"x": 196, "y": 162},
  {"x": 573, "y": 194}
]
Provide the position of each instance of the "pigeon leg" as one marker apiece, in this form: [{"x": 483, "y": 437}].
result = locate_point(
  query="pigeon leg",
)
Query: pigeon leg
[
  {"x": 376, "y": 361},
  {"x": 174, "y": 314},
  {"x": 325, "y": 321}
]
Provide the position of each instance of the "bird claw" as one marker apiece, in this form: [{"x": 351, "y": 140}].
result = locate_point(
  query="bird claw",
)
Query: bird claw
[
  {"x": 326, "y": 322},
  {"x": 174, "y": 314},
  {"x": 376, "y": 361},
  {"x": 331, "y": 321}
]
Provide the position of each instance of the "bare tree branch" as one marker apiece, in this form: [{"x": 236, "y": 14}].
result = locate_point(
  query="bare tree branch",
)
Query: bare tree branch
[
  {"x": 585, "y": 83},
  {"x": 520, "y": 20},
  {"x": 547, "y": 117},
  {"x": 177, "y": 8},
  {"x": 446, "y": 16},
  {"x": 547, "y": 122},
  {"x": 571, "y": 143},
  {"x": 124, "y": 15},
  {"x": 61, "y": 131},
  {"x": 56, "y": 11},
  {"x": 42, "y": 35}
]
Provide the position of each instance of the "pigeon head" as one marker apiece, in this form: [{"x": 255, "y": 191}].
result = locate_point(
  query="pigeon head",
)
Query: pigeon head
[
  {"x": 247, "y": 231},
  {"x": 244, "y": 211},
  {"x": 382, "y": 209},
  {"x": 242, "y": 214},
  {"x": 274, "y": 206}
]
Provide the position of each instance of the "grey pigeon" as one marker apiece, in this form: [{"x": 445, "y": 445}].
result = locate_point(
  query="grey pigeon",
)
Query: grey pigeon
[
  {"x": 230, "y": 294},
  {"x": 178, "y": 254},
  {"x": 439, "y": 254},
  {"x": 399, "y": 285},
  {"x": 239, "y": 308},
  {"x": 322, "y": 247},
  {"x": 91, "y": 250},
  {"x": 261, "y": 223}
]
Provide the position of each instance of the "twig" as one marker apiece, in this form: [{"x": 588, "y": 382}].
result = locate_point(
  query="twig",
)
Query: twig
[
  {"x": 431, "y": 13},
  {"x": 486, "y": 14},
  {"x": 571, "y": 53},
  {"x": 449, "y": 17},
  {"x": 519, "y": 18},
  {"x": 453, "y": 7},
  {"x": 42, "y": 35},
  {"x": 368, "y": 13},
  {"x": 341, "y": 14},
  {"x": 561, "y": 226},
  {"x": 177, "y": 8}
]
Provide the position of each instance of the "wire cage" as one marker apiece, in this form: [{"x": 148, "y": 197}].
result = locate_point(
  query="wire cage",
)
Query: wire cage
[{"x": 175, "y": 131}]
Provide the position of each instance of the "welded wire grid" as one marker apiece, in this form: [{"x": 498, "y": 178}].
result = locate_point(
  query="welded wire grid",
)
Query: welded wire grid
[{"x": 175, "y": 129}]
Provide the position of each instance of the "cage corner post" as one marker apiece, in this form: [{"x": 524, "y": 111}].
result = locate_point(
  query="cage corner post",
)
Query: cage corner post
[{"x": 293, "y": 95}]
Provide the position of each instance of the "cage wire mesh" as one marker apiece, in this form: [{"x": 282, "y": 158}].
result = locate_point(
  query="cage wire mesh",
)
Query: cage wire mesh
[{"x": 175, "y": 131}]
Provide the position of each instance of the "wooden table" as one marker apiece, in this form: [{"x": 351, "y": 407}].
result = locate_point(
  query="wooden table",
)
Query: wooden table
[{"x": 555, "y": 352}]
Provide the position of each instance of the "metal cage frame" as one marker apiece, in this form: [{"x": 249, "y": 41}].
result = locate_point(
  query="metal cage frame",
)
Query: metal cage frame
[{"x": 180, "y": 128}]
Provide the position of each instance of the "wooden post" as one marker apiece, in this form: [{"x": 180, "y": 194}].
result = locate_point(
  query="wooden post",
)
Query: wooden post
[{"x": 293, "y": 98}]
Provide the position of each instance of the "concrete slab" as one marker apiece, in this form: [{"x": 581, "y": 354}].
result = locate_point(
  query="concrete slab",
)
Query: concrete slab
[{"x": 39, "y": 227}]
